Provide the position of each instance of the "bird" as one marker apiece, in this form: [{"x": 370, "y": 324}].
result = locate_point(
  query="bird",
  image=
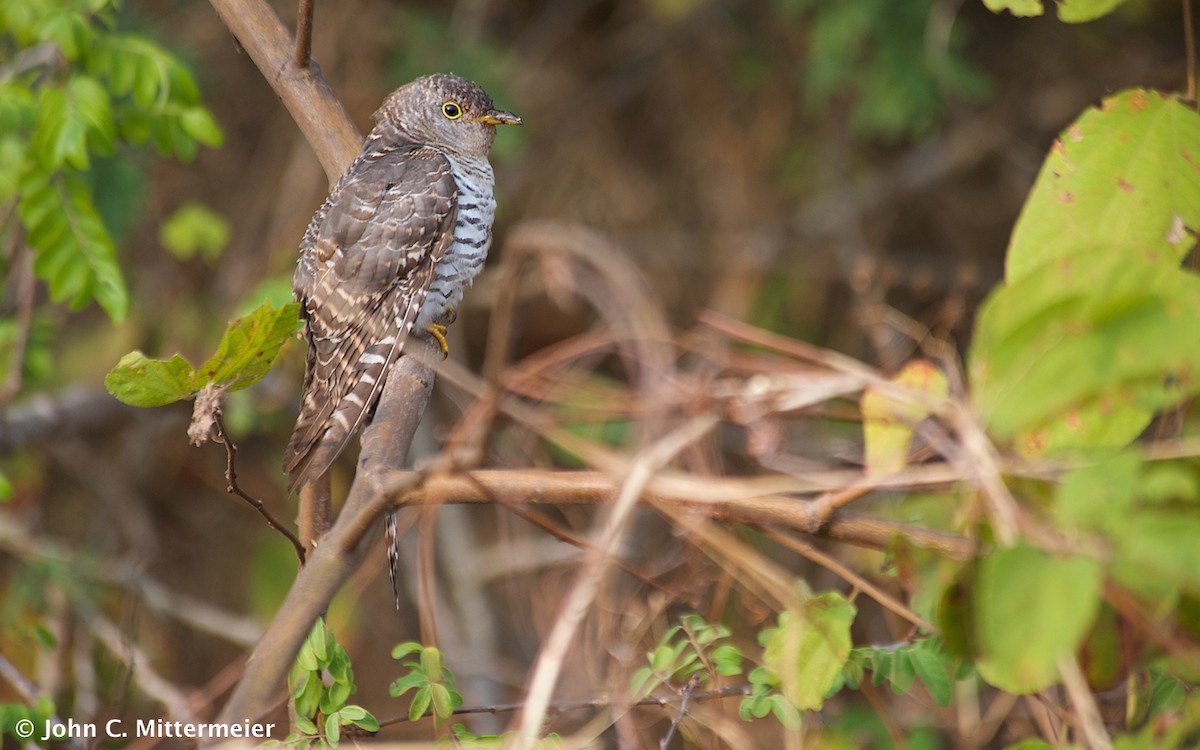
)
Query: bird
[{"x": 394, "y": 247}]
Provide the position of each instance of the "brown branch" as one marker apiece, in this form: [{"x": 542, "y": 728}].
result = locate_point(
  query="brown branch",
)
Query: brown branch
[
  {"x": 721, "y": 499},
  {"x": 385, "y": 443},
  {"x": 303, "y": 91},
  {"x": 685, "y": 697},
  {"x": 232, "y": 487}
]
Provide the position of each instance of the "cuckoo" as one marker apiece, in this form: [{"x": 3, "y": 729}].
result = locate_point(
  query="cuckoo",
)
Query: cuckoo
[{"x": 399, "y": 239}]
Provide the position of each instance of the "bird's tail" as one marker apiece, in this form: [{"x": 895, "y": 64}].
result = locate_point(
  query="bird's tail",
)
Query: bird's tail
[{"x": 393, "y": 553}]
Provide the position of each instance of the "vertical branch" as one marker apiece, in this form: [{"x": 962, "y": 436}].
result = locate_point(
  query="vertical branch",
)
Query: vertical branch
[{"x": 304, "y": 34}]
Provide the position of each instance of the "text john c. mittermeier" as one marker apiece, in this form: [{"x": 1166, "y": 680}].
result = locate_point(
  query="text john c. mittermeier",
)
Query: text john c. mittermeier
[{"x": 159, "y": 728}]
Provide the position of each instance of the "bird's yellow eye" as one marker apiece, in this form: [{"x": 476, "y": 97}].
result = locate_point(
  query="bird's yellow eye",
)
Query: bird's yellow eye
[{"x": 451, "y": 110}]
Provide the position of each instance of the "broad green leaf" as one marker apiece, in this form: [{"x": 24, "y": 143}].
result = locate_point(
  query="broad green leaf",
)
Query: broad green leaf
[
  {"x": 1031, "y": 609},
  {"x": 1081, "y": 351},
  {"x": 1121, "y": 179},
  {"x": 1158, "y": 545},
  {"x": 1097, "y": 496},
  {"x": 249, "y": 346},
  {"x": 138, "y": 380},
  {"x": 888, "y": 424},
  {"x": 808, "y": 649}
]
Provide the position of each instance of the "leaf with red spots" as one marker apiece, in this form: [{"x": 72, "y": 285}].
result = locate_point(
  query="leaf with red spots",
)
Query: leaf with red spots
[{"x": 1120, "y": 180}]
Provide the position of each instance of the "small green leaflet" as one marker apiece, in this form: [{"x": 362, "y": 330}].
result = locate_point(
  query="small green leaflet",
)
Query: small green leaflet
[
  {"x": 243, "y": 357},
  {"x": 1080, "y": 352}
]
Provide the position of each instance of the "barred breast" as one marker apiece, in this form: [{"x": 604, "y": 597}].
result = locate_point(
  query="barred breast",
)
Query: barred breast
[{"x": 464, "y": 259}]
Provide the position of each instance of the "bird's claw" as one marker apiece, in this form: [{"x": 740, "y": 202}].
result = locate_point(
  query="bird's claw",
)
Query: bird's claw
[{"x": 438, "y": 331}]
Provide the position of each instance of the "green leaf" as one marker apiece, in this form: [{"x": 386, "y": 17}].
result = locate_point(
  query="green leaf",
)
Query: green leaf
[
  {"x": 931, "y": 670},
  {"x": 901, "y": 674},
  {"x": 1160, "y": 546},
  {"x": 333, "y": 730},
  {"x": 1096, "y": 497},
  {"x": 249, "y": 346},
  {"x": 58, "y": 137},
  {"x": 1122, "y": 179},
  {"x": 1081, "y": 352},
  {"x": 360, "y": 717},
  {"x": 404, "y": 649},
  {"x": 138, "y": 380},
  {"x": 1081, "y": 11},
  {"x": 440, "y": 699},
  {"x": 728, "y": 660},
  {"x": 1032, "y": 609},
  {"x": 194, "y": 229},
  {"x": 888, "y": 423},
  {"x": 410, "y": 681},
  {"x": 74, "y": 254},
  {"x": 808, "y": 649},
  {"x": 199, "y": 123},
  {"x": 1025, "y": 8},
  {"x": 305, "y": 725},
  {"x": 420, "y": 703},
  {"x": 1069, "y": 11}
]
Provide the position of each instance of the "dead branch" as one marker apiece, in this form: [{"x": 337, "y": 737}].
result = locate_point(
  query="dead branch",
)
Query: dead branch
[{"x": 757, "y": 500}]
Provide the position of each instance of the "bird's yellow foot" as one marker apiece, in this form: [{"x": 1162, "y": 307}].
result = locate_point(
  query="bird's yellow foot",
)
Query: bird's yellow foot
[{"x": 438, "y": 331}]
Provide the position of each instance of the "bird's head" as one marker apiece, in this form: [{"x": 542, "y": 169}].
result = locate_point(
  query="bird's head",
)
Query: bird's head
[{"x": 446, "y": 111}]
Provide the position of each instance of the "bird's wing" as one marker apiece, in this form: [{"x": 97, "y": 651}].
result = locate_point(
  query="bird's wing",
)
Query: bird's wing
[{"x": 365, "y": 268}]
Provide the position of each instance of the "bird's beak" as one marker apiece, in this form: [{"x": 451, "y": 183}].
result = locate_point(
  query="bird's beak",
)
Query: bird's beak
[{"x": 495, "y": 117}]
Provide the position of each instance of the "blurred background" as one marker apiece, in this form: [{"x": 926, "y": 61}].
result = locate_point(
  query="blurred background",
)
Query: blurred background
[{"x": 839, "y": 172}]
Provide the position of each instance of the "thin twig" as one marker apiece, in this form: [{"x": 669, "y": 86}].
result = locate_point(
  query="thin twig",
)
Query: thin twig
[
  {"x": 304, "y": 28},
  {"x": 685, "y": 694},
  {"x": 886, "y": 600},
  {"x": 232, "y": 488}
]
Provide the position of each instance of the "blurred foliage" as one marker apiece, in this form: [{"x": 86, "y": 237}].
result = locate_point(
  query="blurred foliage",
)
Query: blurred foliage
[
  {"x": 192, "y": 230},
  {"x": 1087, "y": 339},
  {"x": 881, "y": 55},
  {"x": 76, "y": 91}
]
